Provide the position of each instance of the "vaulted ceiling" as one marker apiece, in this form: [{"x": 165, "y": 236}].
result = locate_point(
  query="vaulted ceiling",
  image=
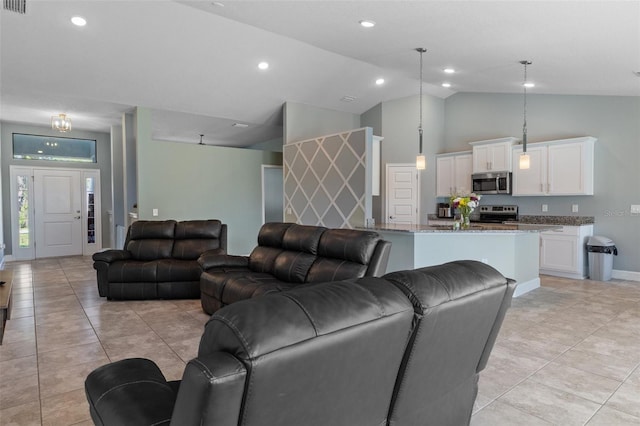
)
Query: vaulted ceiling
[{"x": 195, "y": 62}]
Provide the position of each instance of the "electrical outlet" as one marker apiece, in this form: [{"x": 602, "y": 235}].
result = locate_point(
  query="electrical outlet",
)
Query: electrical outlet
[
  {"x": 574, "y": 208},
  {"x": 635, "y": 209},
  {"x": 155, "y": 212},
  {"x": 545, "y": 207}
]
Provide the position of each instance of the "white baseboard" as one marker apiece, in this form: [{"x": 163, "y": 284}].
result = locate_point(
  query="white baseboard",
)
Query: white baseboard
[
  {"x": 625, "y": 275},
  {"x": 526, "y": 287},
  {"x": 571, "y": 275}
]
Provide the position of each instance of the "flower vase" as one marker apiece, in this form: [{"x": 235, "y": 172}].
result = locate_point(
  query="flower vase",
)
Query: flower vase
[{"x": 464, "y": 221}]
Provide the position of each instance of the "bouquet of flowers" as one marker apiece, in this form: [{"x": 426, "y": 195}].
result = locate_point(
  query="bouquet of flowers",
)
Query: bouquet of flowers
[{"x": 465, "y": 205}]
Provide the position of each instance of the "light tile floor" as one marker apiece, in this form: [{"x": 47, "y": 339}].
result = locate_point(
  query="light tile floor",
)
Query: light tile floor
[{"x": 568, "y": 353}]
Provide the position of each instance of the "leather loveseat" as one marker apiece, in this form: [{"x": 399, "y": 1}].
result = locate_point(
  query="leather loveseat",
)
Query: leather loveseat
[
  {"x": 288, "y": 255},
  {"x": 403, "y": 350},
  {"x": 159, "y": 259}
]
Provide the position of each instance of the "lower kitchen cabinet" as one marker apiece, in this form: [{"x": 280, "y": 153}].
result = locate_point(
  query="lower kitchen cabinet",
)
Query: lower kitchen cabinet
[{"x": 563, "y": 251}]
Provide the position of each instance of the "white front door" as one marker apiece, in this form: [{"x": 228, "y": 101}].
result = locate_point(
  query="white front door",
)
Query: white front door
[
  {"x": 58, "y": 217},
  {"x": 402, "y": 193}
]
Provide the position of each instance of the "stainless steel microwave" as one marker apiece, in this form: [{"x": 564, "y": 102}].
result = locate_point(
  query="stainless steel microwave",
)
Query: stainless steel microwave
[{"x": 491, "y": 183}]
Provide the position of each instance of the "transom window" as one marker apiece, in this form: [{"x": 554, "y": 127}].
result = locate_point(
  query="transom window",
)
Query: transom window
[{"x": 53, "y": 148}]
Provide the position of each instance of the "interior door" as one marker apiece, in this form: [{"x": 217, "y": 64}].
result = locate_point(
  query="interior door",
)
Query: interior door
[
  {"x": 402, "y": 194},
  {"x": 58, "y": 214}
]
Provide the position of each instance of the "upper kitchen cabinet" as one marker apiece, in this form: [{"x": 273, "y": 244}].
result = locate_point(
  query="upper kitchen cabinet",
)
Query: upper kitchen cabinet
[
  {"x": 492, "y": 155},
  {"x": 453, "y": 173},
  {"x": 562, "y": 167}
]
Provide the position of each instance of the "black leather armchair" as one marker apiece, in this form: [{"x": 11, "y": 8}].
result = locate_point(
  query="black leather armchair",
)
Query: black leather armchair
[
  {"x": 288, "y": 255},
  {"x": 402, "y": 350},
  {"x": 159, "y": 259}
]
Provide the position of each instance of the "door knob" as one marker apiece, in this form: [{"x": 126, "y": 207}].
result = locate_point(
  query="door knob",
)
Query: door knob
[{"x": 78, "y": 217}]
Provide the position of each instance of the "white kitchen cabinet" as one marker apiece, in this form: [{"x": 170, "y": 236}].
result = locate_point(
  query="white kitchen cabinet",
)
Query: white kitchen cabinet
[
  {"x": 563, "y": 167},
  {"x": 563, "y": 251},
  {"x": 453, "y": 173},
  {"x": 492, "y": 155}
]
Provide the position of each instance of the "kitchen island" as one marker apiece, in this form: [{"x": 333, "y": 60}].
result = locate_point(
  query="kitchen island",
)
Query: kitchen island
[{"x": 513, "y": 249}]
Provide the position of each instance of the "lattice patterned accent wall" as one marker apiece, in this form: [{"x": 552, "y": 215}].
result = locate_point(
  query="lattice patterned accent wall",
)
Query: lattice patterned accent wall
[{"x": 326, "y": 180}]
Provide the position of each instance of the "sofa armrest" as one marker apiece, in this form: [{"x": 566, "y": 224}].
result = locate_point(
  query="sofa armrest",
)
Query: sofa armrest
[
  {"x": 109, "y": 256},
  {"x": 129, "y": 392},
  {"x": 210, "y": 260},
  {"x": 379, "y": 259},
  {"x": 211, "y": 391}
]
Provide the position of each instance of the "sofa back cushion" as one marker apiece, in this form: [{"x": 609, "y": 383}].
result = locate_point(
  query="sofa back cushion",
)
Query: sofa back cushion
[
  {"x": 459, "y": 309},
  {"x": 269, "y": 247},
  {"x": 343, "y": 254},
  {"x": 300, "y": 244},
  {"x": 150, "y": 239},
  {"x": 312, "y": 364},
  {"x": 194, "y": 237}
]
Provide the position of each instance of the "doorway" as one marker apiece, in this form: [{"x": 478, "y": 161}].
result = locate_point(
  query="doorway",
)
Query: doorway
[
  {"x": 272, "y": 194},
  {"x": 402, "y": 194},
  {"x": 54, "y": 212}
]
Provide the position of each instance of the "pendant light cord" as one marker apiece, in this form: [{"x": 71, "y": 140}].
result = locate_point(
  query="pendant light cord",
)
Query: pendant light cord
[
  {"x": 524, "y": 124},
  {"x": 421, "y": 50}
]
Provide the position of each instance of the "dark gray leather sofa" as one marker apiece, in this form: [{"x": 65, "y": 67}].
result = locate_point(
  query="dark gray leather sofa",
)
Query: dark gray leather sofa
[
  {"x": 159, "y": 259},
  {"x": 288, "y": 255},
  {"x": 401, "y": 350}
]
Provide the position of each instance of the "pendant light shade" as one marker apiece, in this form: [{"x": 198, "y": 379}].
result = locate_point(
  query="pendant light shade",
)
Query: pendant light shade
[
  {"x": 421, "y": 161},
  {"x": 524, "y": 162},
  {"x": 61, "y": 123}
]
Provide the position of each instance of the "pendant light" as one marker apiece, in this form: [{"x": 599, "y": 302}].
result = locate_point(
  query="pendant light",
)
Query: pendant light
[
  {"x": 421, "y": 161},
  {"x": 524, "y": 157}
]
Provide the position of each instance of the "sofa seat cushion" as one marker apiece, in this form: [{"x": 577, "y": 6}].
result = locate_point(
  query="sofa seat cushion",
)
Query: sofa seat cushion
[
  {"x": 178, "y": 270},
  {"x": 132, "y": 271},
  {"x": 230, "y": 287},
  {"x": 241, "y": 287}
]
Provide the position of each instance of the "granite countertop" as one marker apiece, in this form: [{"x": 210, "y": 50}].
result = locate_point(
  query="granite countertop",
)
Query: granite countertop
[
  {"x": 539, "y": 220},
  {"x": 558, "y": 220},
  {"x": 475, "y": 228}
]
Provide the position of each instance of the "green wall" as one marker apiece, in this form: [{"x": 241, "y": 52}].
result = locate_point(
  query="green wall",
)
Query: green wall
[
  {"x": 303, "y": 122},
  {"x": 613, "y": 120},
  {"x": 189, "y": 181}
]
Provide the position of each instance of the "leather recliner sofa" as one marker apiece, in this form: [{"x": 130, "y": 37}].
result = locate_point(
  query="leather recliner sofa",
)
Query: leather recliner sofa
[
  {"x": 159, "y": 259},
  {"x": 288, "y": 255},
  {"x": 402, "y": 350}
]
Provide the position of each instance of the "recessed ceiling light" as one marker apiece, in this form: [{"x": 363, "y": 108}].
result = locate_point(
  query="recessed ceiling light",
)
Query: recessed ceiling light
[
  {"x": 446, "y": 84},
  {"x": 79, "y": 21},
  {"x": 263, "y": 65},
  {"x": 449, "y": 70},
  {"x": 529, "y": 84},
  {"x": 367, "y": 24},
  {"x": 380, "y": 81}
]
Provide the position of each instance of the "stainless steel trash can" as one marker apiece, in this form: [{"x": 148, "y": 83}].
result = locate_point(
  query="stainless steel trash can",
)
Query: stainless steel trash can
[{"x": 601, "y": 251}]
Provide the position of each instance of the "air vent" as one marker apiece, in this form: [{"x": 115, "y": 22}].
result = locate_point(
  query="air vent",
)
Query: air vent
[
  {"x": 348, "y": 98},
  {"x": 18, "y": 6}
]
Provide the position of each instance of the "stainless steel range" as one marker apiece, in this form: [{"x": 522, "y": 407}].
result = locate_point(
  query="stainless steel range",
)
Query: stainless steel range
[{"x": 495, "y": 214}]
